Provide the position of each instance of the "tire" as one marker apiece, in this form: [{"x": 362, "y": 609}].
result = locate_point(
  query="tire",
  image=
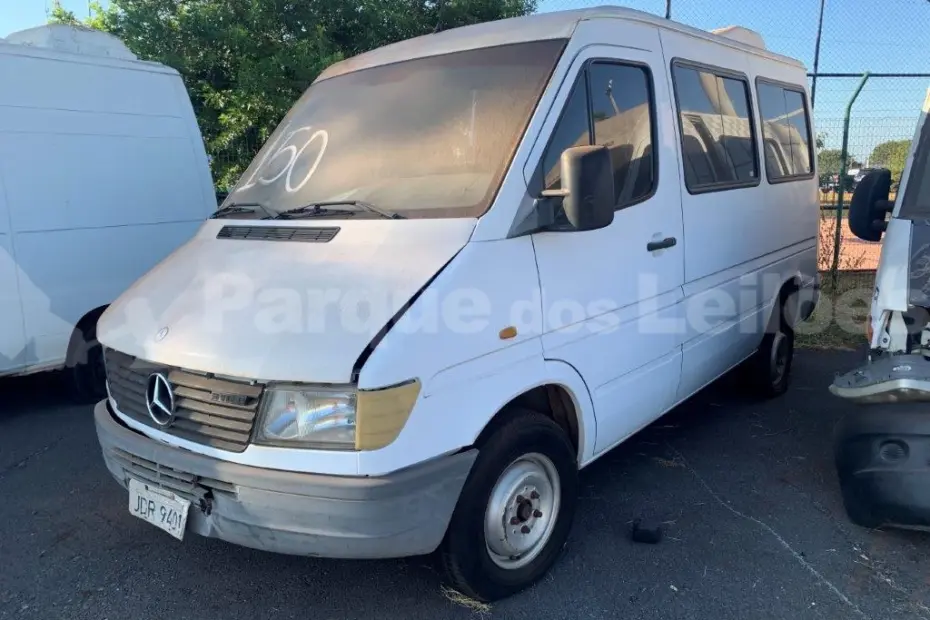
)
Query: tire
[
  {"x": 523, "y": 446},
  {"x": 84, "y": 370},
  {"x": 768, "y": 371},
  {"x": 864, "y": 208}
]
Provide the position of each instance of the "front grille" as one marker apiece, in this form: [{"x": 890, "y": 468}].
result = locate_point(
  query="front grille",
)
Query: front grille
[
  {"x": 213, "y": 412},
  {"x": 183, "y": 483}
]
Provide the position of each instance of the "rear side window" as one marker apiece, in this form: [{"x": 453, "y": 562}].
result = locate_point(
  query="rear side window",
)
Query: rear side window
[
  {"x": 717, "y": 138},
  {"x": 611, "y": 104},
  {"x": 786, "y": 131}
]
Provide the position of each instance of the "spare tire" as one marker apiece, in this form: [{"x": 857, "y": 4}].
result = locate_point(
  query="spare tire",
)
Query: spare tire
[{"x": 869, "y": 204}]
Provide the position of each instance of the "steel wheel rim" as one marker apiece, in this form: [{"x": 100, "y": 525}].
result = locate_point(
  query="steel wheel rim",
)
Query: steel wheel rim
[
  {"x": 522, "y": 511},
  {"x": 779, "y": 361}
]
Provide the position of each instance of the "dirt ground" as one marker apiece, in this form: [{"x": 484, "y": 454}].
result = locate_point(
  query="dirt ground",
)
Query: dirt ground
[{"x": 855, "y": 254}]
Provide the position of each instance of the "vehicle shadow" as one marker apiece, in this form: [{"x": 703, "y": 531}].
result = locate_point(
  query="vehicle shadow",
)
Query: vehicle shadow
[
  {"x": 32, "y": 393},
  {"x": 612, "y": 494}
]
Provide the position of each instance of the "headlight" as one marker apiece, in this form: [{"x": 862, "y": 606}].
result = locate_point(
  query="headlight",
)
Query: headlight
[
  {"x": 335, "y": 418},
  {"x": 313, "y": 416}
]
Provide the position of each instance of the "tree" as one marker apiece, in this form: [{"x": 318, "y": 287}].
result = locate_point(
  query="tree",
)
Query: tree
[
  {"x": 61, "y": 15},
  {"x": 891, "y": 155},
  {"x": 828, "y": 163},
  {"x": 245, "y": 62}
]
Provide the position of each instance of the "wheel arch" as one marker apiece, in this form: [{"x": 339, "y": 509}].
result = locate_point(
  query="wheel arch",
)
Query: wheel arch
[
  {"x": 89, "y": 320},
  {"x": 564, "y": 397},
  {"x": 791, "y": 284}
]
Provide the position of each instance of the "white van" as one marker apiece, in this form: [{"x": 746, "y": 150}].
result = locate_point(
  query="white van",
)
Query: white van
[
  {"x": 102, "y": 173},
  {"x": 464, "y": 267}
]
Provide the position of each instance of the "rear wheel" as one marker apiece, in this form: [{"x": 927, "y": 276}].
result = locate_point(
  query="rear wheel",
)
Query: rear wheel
[
  {"x": 769, "y": 369},
  {"x": 515, "y": 511}
]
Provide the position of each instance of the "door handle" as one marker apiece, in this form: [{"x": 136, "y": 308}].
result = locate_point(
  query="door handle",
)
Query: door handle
[{"x": 668, "y": 242}]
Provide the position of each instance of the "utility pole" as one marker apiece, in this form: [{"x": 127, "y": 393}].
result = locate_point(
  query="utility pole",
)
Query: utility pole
[
  {"x": 817, "y": 55},
  {"x": 668, "y": 9}
]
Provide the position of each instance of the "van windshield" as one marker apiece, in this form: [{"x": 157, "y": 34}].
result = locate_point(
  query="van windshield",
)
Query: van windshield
[{"x": 424, "y": 138}]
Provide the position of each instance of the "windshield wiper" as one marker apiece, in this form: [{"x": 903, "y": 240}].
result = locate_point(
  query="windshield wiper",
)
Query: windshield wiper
[
  {"x": 312, "y": 210},
  {"x": 321, "y": 209},
  {"x": 241, "y": 207}
]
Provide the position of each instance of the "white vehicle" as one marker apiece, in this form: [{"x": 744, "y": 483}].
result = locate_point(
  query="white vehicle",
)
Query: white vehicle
[
  {"x": 464, "y": 267},
  {"x": 899, "y": 321},
  {"x": 881, "y": 444},
  {"x": 102, "y": 174}
]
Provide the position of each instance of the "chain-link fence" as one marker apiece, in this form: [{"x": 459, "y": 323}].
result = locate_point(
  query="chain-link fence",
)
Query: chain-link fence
[{"x": 877, "y": 138}]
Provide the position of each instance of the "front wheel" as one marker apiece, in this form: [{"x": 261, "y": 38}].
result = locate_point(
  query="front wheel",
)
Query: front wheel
[{"x": 515, "y": 511}]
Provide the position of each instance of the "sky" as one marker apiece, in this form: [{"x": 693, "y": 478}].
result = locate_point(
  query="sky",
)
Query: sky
[
  {"x": 21, "y": 14},
  {"x": 892, "y": 36},
  {"x": 858, "y": 35}
]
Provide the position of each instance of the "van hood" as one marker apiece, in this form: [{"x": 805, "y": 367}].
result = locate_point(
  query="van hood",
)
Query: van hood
[{"x": 285, "y": 300}]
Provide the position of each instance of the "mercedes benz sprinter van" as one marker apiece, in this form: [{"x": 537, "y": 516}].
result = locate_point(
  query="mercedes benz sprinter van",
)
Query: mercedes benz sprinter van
[{"x": 464, "y": 267}]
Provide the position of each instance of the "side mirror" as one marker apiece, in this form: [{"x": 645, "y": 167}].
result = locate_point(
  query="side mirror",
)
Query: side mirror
[
  {"x": 587, "y": 187},
  {"x": 870, "y": 204}
]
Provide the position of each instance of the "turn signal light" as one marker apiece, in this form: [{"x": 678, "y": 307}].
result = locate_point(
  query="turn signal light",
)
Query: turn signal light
[{"x": 382, "y": 414}]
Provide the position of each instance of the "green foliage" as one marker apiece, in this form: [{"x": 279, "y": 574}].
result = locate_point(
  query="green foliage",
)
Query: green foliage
[
  {"x": 891, "y": 155},
  {"x": 828, "y": 163},
  {"x": 245, "y": 62},
  {"x": 61, "y": 15}
]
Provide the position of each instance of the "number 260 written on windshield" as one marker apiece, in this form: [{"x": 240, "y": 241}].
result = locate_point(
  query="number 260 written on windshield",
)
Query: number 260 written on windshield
[{"x": 294, "y": 154}]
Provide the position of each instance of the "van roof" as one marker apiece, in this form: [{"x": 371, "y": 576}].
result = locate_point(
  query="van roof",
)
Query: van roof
[
  {"x": 73, "y": 40},
  {"x": 78, "y": 44},
  {"x": 555, "y": 25}
]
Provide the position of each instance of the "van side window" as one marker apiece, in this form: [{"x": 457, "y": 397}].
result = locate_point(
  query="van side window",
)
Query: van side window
[
  {"x": 621, "y": 111},
  {"x": 717, "y": 139},
  {"x": 573, "y": 129},
  {"x": 610, "y": 104},
  {"x": 786, "y": 131}
]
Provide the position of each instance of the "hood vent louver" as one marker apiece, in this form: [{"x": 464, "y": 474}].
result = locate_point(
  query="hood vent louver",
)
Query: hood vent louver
[{"x": 279, "y": 233}]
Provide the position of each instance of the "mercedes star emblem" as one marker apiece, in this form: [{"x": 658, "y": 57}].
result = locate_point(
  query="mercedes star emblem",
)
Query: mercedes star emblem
[{"x": 159, "y": 398}]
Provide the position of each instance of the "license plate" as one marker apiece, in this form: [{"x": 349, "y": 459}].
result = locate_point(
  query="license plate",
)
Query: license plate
[{"x": 161, "y": 508}]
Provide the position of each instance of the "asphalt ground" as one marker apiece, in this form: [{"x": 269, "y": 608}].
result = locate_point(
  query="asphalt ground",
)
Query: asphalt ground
[{"x": 754, "y": 528}]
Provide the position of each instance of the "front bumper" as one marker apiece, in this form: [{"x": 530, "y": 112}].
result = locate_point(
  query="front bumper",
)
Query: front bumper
[
  {"x": 400, "y": 514},
  {"x": 887, "y": 379},
  {"x": 882, "y": 457}
]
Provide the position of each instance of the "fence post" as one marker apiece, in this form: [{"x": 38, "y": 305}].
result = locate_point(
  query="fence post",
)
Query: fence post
[
  {"x": 834, "y": 269},
  {"x": 817, "y": 55}
]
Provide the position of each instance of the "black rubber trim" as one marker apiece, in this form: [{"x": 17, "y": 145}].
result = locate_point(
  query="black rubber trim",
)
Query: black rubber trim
[
  {"x": 316, "y": 234},
  {"x": 370, "y": 348}
]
